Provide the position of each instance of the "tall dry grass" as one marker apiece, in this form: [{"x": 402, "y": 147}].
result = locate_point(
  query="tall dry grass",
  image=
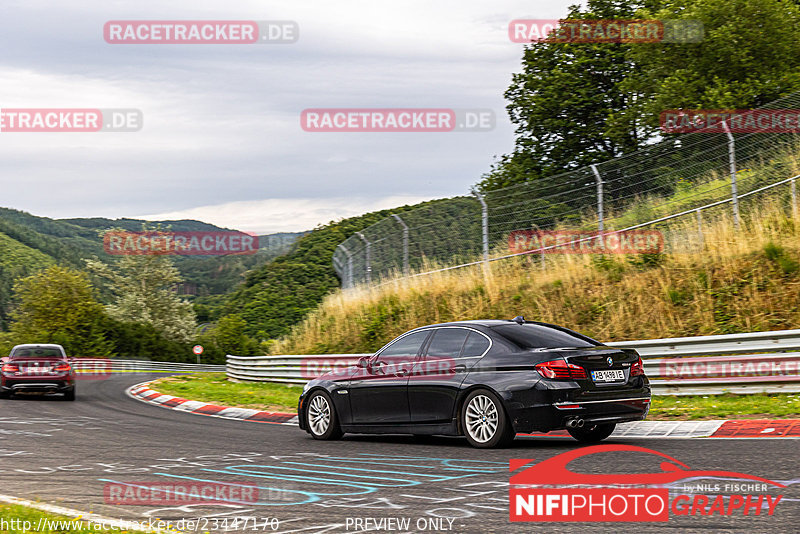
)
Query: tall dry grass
[{"x": 734, "y": 280}]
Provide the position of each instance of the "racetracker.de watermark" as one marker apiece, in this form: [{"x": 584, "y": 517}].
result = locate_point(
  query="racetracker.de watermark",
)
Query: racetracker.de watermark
[
  {"x": 179, "y": 493},
  {"x": 201, "y": 32},
  {"x": 734, "y": 121},
  {"x": 605, "y": 31},
  {"x": 161, "y": 243},
  {"x": 577, "y": 242},
  {"x": 70, "y": 120},
  {"x": 397, "y": 120}
]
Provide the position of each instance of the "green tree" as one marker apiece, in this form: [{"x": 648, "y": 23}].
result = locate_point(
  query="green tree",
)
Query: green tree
[
  {"x": 227, "y": 337},
  {"x": 562, "y": 100},
  {"x": 749, "y": 56},
  {"x": 57, "y": 305},
  {"x": 144, "y": 290}
]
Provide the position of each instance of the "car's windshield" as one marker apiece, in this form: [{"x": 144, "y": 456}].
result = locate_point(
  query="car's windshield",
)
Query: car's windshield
[
  {"x": 534, "y": 336},
  {"x": 36, "y": 352}
]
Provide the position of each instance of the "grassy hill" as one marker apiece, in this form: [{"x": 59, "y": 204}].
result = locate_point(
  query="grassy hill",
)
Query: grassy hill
[{"x": 736, "y": 280}]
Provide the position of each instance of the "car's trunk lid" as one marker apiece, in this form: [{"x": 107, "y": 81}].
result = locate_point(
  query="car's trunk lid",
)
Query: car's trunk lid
[
  {"x": 36, "y": 366},
  {"x": 606, "y": 367}
]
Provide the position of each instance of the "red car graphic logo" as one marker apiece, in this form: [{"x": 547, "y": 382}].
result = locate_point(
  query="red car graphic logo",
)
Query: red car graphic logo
[{"x": 553, "y": 471}]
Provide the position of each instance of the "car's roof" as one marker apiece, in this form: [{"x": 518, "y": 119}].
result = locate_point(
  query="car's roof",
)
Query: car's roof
[
  {"x": 38, "y": 346},
  {"x": 489, "y": 323}
]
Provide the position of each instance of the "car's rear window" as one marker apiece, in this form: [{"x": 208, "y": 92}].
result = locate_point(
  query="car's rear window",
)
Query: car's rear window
[
  {"x": 535, "y": 336},
  {"x": 36, "y": 353}
]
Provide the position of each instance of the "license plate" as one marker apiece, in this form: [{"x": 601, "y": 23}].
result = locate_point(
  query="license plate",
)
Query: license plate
[{"x": 611, "y": 375}]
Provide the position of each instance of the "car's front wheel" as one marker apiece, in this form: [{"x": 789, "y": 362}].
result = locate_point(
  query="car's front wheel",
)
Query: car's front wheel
[
  {"x": 484, "y": 421},
  {"x": 321, "y": 419},
  {"x": 592, "y": 433}
]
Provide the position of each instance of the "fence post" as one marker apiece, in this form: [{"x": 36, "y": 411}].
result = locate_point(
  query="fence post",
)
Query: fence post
[
  {"x": 338, "y": 267},
  {"x": 405, "y": 243},
  {"x": 349, "y": 278},
  {"x": 484, "y": 225},
  {"x": 368, "y": 256},
  {"x": 794, "y": 198},
  {"x": 700, "y": 225},
  {"x": 599, "y": 181},
  {"x": 732, "y": 161}
]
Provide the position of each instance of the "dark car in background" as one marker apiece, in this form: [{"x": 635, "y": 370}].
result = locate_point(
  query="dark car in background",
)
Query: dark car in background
[
  {"x": 487, "y": 380},
  {"x": 37, "y": 369}
]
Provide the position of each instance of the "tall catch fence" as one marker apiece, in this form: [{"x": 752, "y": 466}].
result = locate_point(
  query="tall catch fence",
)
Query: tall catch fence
[{"x": 702, "y": 174}]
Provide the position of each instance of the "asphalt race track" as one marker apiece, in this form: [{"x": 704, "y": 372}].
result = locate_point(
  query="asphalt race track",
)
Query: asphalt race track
[{"x": 65, "y": 453}]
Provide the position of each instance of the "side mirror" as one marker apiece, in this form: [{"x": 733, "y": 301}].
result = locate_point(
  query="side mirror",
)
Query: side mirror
[{"x": 363, "y": 362}]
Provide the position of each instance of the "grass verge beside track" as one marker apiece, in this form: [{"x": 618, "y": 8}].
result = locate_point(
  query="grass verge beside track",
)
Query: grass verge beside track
[
  {"x": 728, "y": 406},
  {"x": 15, "y": 518},
  {"x": 215, "y": 388}
]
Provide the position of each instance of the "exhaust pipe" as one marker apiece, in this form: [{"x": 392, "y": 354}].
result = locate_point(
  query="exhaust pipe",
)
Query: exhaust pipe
[{"x": 575, "y": 423}]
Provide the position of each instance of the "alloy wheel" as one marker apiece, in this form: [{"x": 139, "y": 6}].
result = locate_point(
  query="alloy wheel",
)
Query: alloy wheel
[
  {"x": 481, "y": 418},
  {"x": 319, "y": 415}
]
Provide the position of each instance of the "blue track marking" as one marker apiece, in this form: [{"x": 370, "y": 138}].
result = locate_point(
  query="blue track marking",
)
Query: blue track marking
[{"x": 323, "y": 472}]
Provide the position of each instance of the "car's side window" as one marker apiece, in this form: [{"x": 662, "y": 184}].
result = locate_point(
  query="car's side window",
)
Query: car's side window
[
  {"x": 476, "y": 345},
  {"x": 406, "y": 346},
  {"x": 447, "y": 342}
]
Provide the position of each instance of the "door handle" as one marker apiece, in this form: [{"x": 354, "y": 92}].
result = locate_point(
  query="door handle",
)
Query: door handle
[
  {"x": 460, "y": 368},
  {"x": 401, "y": 372}
]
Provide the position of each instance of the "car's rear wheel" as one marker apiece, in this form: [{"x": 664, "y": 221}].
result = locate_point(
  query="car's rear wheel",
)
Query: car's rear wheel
[
  {"x": 321, "y": 419},
  {"x": 69, "y": 395},
  {"x": 484, "y": 421},
  {"x": 592, "y": 433}
]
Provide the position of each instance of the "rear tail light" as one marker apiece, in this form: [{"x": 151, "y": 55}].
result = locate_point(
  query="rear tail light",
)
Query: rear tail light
[
  {"x": 561, "y": 370},
  {"x": 637, "y": 367},
  {"x": 61, "y": 367},
  {"x": 10, "y": 368}
]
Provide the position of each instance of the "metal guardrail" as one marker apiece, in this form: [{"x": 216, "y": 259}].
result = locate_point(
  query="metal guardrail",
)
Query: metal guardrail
[
  {"x": 731, "y": 363},
  {"x": 112, "y": 365},
  {"x": 292, "y": 369}
]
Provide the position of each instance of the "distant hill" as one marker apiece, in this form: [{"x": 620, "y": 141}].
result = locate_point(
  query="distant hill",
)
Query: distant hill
[
  {"x": 29, "y": 243},
  {"x": 279, "y": 294}
]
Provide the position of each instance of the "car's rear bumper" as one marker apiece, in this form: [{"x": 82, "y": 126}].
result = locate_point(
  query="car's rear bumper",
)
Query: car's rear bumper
[
  {"x": 37, "y": 386},
  {"x": 554, "y": 410}
]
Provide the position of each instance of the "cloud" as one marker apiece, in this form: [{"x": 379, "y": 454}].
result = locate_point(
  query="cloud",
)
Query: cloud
[
  {"x": 283, "y": 214},
  {"x": 221, "y": 122}
]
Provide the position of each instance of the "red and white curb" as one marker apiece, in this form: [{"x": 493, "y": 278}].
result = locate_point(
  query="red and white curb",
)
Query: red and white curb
[
  {"x": 746, "y": 428},
  {"x": 143, "y": 393}
]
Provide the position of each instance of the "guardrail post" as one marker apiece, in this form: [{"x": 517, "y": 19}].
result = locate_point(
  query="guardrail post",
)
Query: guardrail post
[
  {"x": 599, "y": 181},
  {"x": 732, "y": 162},
  {"x": 367, "y": 256},
  {"x": 484, "y": 226},
  {"x": 405, "y": 243}
]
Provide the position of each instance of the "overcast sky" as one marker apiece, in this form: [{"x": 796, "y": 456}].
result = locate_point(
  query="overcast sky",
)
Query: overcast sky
[{"x": 222, "y": 140}]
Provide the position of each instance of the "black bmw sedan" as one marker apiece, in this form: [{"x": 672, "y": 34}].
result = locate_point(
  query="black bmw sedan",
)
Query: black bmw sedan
[{"x": 487, "y": 380}]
